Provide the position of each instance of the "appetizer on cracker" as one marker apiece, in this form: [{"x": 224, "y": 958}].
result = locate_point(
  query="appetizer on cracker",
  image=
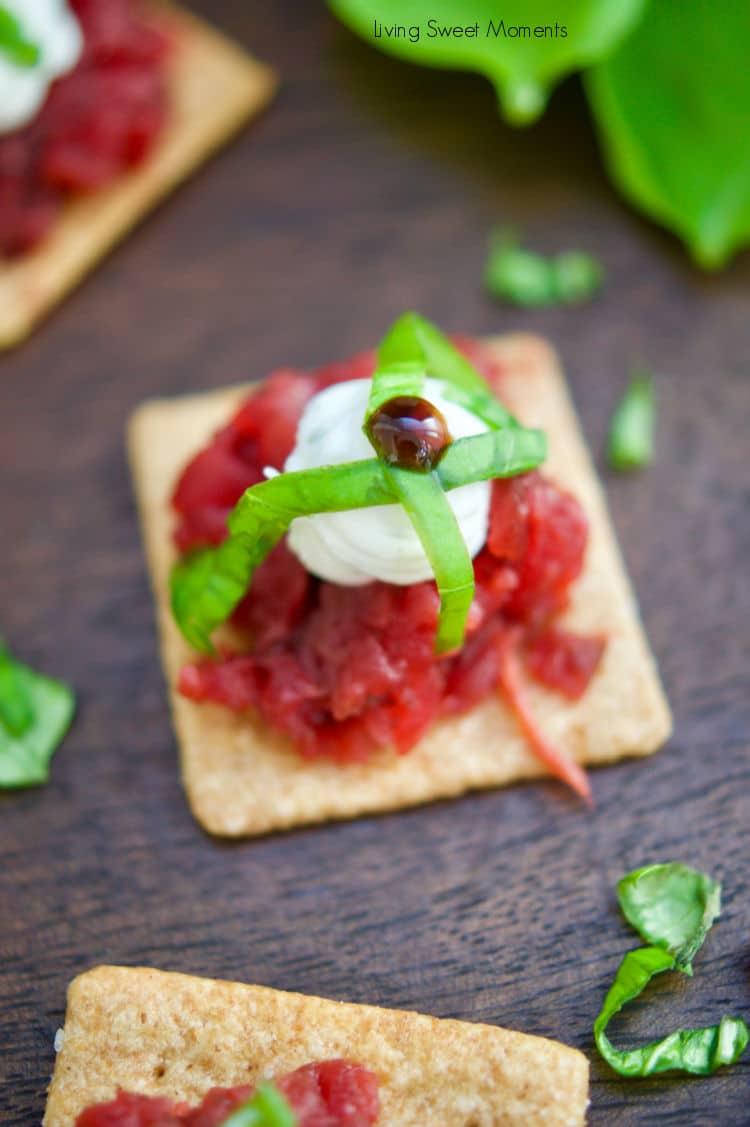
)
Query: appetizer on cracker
[
  {"x": 392, "y": 579},
  {"x": 105, "y": 105},
  {"x": 159, "y": 1048}
]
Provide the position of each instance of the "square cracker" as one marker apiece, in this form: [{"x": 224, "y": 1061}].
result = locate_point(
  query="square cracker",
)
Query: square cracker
[
  {"x": 215, "y": 86},
  {"x": 241, "y": 778},
  {"x": 177, "y": 1036}
]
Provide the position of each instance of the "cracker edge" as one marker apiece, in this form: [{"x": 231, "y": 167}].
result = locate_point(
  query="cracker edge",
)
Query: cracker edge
[
  {"x": 388, "y": 782},
  {"x": 202, "y": 1032},
  {"x": 89, "y": 227}
]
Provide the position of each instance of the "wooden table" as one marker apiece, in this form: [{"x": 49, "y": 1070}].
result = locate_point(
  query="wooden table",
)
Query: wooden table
[{"x": 370, "y": 187}]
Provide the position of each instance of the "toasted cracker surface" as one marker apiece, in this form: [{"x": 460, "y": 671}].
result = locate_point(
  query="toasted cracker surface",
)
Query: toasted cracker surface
[
  {"x": 177, "y": 1036},
  {"x": 242, "y": 779},
  {"x": 215, "y": 86}
]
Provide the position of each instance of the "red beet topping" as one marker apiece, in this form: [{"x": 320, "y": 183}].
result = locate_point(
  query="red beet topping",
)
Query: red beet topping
[
  {"x": 332, "y": 1093},
  {"x": 98, "y": 121},
  {"x": 343, "y": 671}
]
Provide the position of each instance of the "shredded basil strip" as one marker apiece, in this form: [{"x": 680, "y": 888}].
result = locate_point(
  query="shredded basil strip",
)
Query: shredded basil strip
[
  {"x": 671, "y": 906},
  {"x": 527, "y": 279},
  {"x": 266, "y": 1108},
  {"x": 13, "y": 40},
  {"x": 413, "y": 341},
  {"x": 631, "y": 431},
  {"x": 439, "y": 533},
  {"x": 698, "y": 1051},
  {"x": 35, "y": 714},
  {"x": 501, "y": 453}
]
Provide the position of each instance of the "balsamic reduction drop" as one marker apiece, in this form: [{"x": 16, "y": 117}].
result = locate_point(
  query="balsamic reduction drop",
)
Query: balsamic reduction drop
[{"x": 409, "y": 432}]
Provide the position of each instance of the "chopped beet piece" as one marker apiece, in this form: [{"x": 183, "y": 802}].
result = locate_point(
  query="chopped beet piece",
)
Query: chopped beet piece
[
  {"x": 98, "y": 121},
  {"x": 331, "y": 1093},
  {"x": 343, "y": 671},
  {"x": 565, "y": 661}
]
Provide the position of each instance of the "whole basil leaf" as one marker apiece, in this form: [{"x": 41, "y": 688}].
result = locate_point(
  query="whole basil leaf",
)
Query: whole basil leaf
[
  {"x": 523, "y": 46},
  {"x": 671, "y": 906},
  {"x": 36, "y": 714},
  {"x": 672, "y": 106},
  {"x": 698, "y": 1051}
]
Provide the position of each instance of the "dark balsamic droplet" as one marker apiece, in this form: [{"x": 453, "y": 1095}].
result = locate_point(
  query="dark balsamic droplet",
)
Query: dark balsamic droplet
[{"x": 409, "y": 432}]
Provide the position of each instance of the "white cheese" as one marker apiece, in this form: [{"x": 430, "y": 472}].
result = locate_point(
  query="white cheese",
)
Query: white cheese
[{"x": 356, "y": 547}]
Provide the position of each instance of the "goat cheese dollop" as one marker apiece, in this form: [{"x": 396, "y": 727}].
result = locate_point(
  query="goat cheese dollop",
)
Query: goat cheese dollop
[
  {"x": 53, "y": 29},
  {"x": 355, "y": 547}
]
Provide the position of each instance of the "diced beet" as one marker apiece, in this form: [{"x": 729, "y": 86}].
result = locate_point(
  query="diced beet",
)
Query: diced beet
[
  {"x": 332, "y": 1093},
  {"x": 565, "y": 661},
  {"x": 272, "y": 415}
]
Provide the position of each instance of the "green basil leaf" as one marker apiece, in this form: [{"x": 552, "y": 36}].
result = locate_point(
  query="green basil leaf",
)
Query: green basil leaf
[
  {"x": 501, "y": 453},
  {"x": 13, "y": 40},
  {"x": 524, "y": 278},
  {"x": 35, "y": 714},
  {"x": 415, "y": 341},
  {"x": 524, "y": 47},
  {"x": 631, "y": 431},
  {"x": 671, "y": 906},
  {"x": 438, "y": 530},
  {"x": 266, "y": 1108},
  {"x": 671, "y": 106},
  {"x": 698, "y": 1051}
]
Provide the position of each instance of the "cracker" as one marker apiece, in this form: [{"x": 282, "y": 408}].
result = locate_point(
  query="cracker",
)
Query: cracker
[
  {"x": 241, "y": 778},
  {"x": 215, "y": 86},
  {"x": 177, "y": 1036}
]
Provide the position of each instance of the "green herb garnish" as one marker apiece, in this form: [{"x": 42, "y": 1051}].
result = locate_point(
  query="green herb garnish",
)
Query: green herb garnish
[
  {"x": 13, "y": 40},
  {"x": 35, "y": 713},
  {"x": 631, "y": 431},
  {"x": 672, "y": 907},
  {"x": 207, "y": 585},
  {"x": 266, "y": 1108},
  {"x": 524, "y": 278}
]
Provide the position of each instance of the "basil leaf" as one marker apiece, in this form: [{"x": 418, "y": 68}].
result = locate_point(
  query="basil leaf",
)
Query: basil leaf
[
  {"x": 631, "y": 431},
  {"x": 524, "y": 47},
  {"x": 35, "y": 714},
  {"x": 671, "y": 906},
  {"x": 16, "y": 709},
  {"x": 698, "y": 1051},
  {"x": 671, "y": 106},
  {"x": 413, "y": 340},
  {"x": 438, "y": 530},
  {"x": 266, "y": 1108},
  {"x": 524, "y": 278},
  {"x": 501, "y": 453},
  {"x": 13, "y": 40}
]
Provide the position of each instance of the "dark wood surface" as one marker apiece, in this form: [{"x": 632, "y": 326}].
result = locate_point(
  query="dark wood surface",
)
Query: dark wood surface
[{"x": 367, "y": 188}]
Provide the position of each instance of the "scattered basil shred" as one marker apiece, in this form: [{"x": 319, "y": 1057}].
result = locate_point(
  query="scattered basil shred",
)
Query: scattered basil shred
[
  {"x": 439, "y": 533},
  {"x": 524, "y": 278},
  {"x": 14, "y": 42},
  {"x": 524, "y": 47},
  {"x": 672, "y": 907},
  {"x": 206, "y": 585},
  {"x": 630, "y": 444},
  {"x": 671, "y": 106},
  {"x": 266, "y": 1108},
  {"x": 35, "y": 714}
]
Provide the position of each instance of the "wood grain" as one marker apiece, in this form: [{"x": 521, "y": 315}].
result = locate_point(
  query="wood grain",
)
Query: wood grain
[{"x": 369, "y": 187}]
